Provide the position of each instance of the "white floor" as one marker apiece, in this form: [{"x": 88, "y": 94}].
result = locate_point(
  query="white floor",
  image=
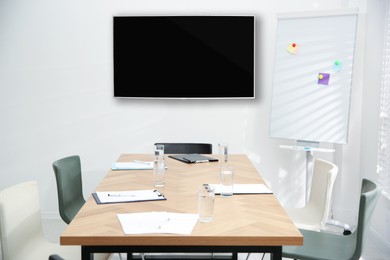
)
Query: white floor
[{"x": 54, "y": 227}]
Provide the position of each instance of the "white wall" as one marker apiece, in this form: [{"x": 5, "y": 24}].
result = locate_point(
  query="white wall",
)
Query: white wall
[{"x": 56, "y": 98}]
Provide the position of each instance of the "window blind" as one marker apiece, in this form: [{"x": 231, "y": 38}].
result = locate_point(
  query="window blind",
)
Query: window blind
[{"x": 383, "y": 165}]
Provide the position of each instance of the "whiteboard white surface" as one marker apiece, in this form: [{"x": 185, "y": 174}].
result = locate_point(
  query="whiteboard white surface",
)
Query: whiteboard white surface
[{"x": 305, "y": 107}]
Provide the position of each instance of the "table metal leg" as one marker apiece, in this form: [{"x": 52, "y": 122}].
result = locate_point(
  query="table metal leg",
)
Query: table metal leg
[
  {"x": 86, "y": 253},
  {"x": 277, "y": 254}
]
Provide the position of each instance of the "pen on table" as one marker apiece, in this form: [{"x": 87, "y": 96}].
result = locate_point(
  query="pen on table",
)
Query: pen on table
[
  {"x": 141, "y": 162},
  {"x": 120, "y": 195}
]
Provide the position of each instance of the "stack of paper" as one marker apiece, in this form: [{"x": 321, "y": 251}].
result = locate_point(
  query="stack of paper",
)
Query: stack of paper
[{"x": 157, "y": 222}]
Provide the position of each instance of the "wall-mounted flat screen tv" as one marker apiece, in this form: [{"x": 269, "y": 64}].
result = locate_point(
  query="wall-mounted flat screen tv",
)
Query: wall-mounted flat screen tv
[{"x": 184, "y": 57}]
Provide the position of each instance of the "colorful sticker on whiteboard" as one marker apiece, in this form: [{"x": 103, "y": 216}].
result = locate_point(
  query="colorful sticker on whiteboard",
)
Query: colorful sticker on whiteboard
[
  {"x": 337, "y": 65},
  {"x": 292, "y": 48},
  {"x": 323, "y": 78}
]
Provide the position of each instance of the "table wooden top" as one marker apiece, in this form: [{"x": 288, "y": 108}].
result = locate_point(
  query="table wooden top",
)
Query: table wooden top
[{"x": 240, "y": 220}]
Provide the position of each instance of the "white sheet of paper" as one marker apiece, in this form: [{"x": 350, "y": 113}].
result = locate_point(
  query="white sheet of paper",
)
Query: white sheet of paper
[
  {"x": 123, "y": 196},
  {"x": 157, "y": 222},
  {"x": 245, "y": 189}
]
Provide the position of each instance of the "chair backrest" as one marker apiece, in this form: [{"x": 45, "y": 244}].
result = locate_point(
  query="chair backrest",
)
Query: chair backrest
[
  {"x": 186, "y": 148},
  {"x": 324, "y": 176},
  {"x": 370, "y": 192},
  {"x": 69, "y": 186},
  {"x": 55, "y": 257},
  {"x": 20, "y": 218}
]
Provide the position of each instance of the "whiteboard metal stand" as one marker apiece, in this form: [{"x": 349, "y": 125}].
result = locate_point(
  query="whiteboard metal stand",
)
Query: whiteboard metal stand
[{"x": 309, "y": 148}]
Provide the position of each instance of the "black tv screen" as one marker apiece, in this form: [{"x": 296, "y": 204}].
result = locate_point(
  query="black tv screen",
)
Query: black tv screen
[{"x": 189, "y": 57}]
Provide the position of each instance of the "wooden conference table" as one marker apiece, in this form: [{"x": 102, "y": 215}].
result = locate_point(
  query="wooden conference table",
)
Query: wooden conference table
[{"x": 242, "y": 223}]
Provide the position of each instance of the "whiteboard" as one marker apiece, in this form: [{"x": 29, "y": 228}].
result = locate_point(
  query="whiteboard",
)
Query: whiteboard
[{"x": 313, "y": 76}]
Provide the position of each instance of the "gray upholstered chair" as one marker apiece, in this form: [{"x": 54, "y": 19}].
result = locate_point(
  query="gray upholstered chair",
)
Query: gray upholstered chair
[
  {"x": 324, "y": 245},
  {"x": 70, "y": 189},
  {"x": 69, "y": 186}
]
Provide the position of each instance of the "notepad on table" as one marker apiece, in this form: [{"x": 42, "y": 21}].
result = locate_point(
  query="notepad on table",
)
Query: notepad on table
[
  {"x": 245, "y": 189},
  {"x": 136, "y": 165},
  {"x": 193, "y": 158},
  {"x": 104, "y": 197},
  {"x": 157, "y": 222}
]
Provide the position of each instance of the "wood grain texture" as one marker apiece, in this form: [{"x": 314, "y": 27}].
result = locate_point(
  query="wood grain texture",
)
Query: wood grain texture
[{"x": 240, "y": 220}]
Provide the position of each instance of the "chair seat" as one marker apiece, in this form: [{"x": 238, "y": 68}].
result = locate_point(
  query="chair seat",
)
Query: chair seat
[
  {"x": 318, "y": 244},
  {"x": 307, "y": 217},
  {"x": 330, "y": 246}
]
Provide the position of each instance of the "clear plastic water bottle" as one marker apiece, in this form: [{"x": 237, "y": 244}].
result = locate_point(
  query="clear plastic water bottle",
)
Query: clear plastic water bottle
[{"x": 159, "y": 167}]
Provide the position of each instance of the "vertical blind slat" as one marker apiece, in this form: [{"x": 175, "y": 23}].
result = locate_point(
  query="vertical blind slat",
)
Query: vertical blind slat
[{"x": 383, "y": 164}]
